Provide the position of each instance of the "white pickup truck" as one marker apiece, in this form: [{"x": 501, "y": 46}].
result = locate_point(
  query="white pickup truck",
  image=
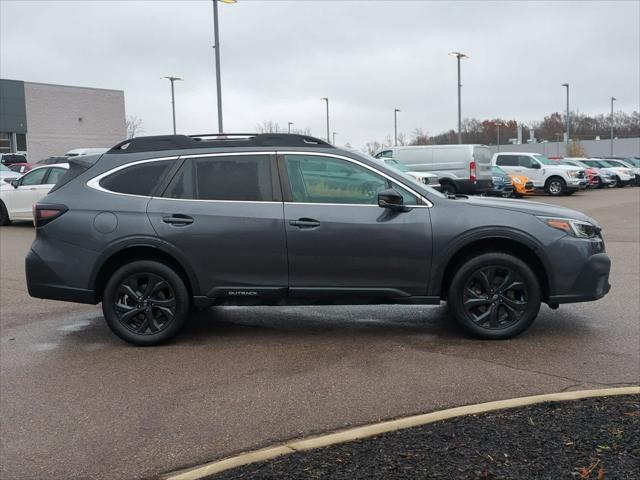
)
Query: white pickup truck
[{"x": 552, "y": 177}]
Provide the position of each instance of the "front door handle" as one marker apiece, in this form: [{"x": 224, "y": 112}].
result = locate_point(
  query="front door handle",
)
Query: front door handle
[
  {"x": 178, "y": 219},
  {"x": 304, "y": 223}
]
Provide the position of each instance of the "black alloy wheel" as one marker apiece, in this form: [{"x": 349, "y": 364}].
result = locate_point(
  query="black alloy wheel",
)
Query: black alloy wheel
[
  {"x": 494, "y": 295},
  {"x": 145, "y": 303}
]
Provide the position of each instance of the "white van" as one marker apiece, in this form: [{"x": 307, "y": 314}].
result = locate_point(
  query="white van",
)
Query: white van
[{"x": 460, "y": 168}]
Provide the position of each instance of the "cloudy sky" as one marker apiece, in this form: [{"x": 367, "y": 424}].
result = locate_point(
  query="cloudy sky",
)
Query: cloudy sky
[{"x": 368, "y": 57}]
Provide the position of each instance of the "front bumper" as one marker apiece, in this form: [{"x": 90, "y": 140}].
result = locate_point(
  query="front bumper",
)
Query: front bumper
[
  {"x": 591, "y": 284},
  {"x": 42, "y": 282}
]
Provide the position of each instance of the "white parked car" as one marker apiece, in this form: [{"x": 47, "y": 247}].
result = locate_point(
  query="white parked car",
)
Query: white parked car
[
  {"x": 76, "y": 152},
  {"x": 427, "y": 178},
  {"x": 18, "y": 197},
  {"x": 622, "y": 175},
  {"x": 552, "y": 177}
]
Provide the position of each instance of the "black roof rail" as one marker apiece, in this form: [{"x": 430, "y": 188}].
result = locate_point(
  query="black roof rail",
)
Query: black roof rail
[{"x": 178, "y": 142}]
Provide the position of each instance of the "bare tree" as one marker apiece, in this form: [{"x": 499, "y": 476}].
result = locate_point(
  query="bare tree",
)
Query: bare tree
[
  {"x": 134, "y": 126},
  {"x": 268, "y": 126},
  {"x": 303, "y": 131},
  {"x": 373, "y": 147},
  {"x": 420, "y": 137},
  {"x": 402, "y": 139}
]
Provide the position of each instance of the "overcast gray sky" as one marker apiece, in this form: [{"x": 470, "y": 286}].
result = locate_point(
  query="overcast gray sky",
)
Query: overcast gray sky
[{"x": 368, "y": 57}]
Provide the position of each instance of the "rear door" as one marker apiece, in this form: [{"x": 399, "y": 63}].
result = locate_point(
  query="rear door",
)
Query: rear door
[
  {"x": 482, "y": 157},
  {"x": 224, "y": 212},
  {"x": 340, "y": 241}
]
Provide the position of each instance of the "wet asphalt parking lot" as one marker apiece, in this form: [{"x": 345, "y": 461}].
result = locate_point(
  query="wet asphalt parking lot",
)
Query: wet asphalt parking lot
[{"x": 78, "y": 403}]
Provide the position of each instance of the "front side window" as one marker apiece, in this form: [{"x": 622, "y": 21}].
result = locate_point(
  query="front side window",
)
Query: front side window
[
  {"x": 385, "y": 154},
  {"x": 316, "y": 179},
  {"x": 141, "y": 179},
  {"x": 234, "y": 177},
  {"x": 526, "y": 161},
  {"x": 35, "y": 177}
]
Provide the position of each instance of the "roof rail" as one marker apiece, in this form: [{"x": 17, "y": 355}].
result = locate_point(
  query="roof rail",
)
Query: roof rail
[{"x": 179, "y": 142}]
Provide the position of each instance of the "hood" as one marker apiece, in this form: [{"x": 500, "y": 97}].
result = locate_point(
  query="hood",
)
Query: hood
[{"x": 527, "y": 206}]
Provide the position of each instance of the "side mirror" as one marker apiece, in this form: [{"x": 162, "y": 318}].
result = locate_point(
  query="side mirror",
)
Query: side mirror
[
  {"x": 14, "y": 182},
  {"x": 391, "y": 199}
]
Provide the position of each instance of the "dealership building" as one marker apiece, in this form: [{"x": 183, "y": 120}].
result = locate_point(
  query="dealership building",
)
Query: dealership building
[{"x": 47, "y": 120}]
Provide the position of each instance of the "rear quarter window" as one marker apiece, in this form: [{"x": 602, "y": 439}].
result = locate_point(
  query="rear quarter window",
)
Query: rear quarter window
[{"x": 141, "y": 179}]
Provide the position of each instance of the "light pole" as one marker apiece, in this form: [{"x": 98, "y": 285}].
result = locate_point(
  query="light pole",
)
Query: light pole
[
  {"x": 613, "y": 99},
  {"x": 459, "y": 55},
  {"x": 216, "y": 47},
  {"x": 568, "y": 114},
  {"x": 328, "y": 136},
  {"x": 289, "y": 127},
  {"x": 395, "y": 125},
  {"x": 173, "y": 100},
  {"x": 498, "y": 125},
  {"x": 334, "y": 137}
]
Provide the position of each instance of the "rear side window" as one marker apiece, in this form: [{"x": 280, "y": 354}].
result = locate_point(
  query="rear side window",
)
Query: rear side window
[
  {"x": 55, "y": 175},
  {"x": 141, "y": 179},
  {"x": 234, "y": 177},
  {"x": 507, "y": 160}
]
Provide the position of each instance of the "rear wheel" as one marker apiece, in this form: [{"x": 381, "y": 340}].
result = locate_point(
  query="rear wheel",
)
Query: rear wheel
[
  {"x": 615, "y": 183},
  {"x": 145, "y": 303},
  {"x": 556, "y": 186},
  {"x": 447, "y": 188},
  {"x": 4, "y": 215},
  {"x": 494, "y": 296}
]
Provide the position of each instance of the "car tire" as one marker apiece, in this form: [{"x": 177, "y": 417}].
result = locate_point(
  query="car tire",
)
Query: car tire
[
  {"x": 4, "y": 215},
  {"x": 555, "y": 186},
  {"x": 494, "y": 296},
  {"x": 615, "y": 183},
  {"x": 619, "y": 183},
  {"x": 146, "y": 303},
  {"x": 447, "y": 188}
]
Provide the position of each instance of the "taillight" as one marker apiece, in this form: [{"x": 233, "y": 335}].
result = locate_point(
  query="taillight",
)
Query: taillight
[
  {"x": 43, "y": 214},
  {"x": 472, "y": 171}
]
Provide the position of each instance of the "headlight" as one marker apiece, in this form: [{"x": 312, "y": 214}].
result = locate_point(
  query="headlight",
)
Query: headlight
[
  {"x": 572, "y": 174},
  {"x": 516, "y": 180},
  {"x": 496, "y": 179},
  {"x": 575, "y": 228}
]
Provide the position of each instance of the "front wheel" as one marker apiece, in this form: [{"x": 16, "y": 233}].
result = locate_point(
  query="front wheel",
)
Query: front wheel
[
  {"x": 145, "y": 303},
  {"x": 614, "y": 183},
  {"x": 556, "y": 187},
  {"x": 494, "y": 296},
  {"x": 447, "y": 188}
]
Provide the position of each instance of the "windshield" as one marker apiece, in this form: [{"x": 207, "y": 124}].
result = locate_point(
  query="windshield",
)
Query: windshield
[
  {"x": 604, "y": 163},
  {"x": 619, "y": 163},
  {"x": 393, "y": 163},
  {"x": 498, "y": 171},
  {"x": 544, "y": 160},
  {"x": 633, "y": 161}
]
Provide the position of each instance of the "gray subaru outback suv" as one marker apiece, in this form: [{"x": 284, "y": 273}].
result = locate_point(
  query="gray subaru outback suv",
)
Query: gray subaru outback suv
[{"x": 160, "y": 225}]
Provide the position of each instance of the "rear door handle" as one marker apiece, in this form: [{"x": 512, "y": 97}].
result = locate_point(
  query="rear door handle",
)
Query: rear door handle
[
  {"x": 178, "y": 219},
  {"x": 304, "y": 223}
]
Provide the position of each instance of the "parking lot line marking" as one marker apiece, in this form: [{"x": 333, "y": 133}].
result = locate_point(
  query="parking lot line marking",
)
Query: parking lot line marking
[{"x": 379, "y": 428}]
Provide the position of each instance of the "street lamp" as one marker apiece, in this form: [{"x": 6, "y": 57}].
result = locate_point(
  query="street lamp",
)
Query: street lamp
[
  {"x": 327, "y": 100},
  {"x": 458, "y": 56},
  {"x": 289, "y": 127},
  {"x": 568, "y": 114},
  {"x": 334, "y": 137},
  {"x": 216, "y": 47},
  {"x": 498, "y": 125},
  {"x": 613, "y": 99},
  {"x": 395, "y": 125},
  {"x": 173, "y": 100}
]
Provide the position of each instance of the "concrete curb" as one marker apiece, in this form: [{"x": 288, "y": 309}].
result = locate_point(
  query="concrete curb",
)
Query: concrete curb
[{"x": 365, "y": 431}]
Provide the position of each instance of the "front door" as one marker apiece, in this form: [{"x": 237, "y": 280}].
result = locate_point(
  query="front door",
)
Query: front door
[
  {"x": 225, "y": 213},
  {"x": 31, "y": 188},
  {"x": 340, "y": 240}
]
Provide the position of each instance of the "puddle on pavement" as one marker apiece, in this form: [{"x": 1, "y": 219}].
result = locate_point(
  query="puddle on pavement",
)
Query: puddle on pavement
[
  {"x": 43, "y": 347},
  {"x": 75, "y": 326}
]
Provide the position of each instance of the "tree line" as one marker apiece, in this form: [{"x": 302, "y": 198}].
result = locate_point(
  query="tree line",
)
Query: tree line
[{"x": 551, "y": 128}]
